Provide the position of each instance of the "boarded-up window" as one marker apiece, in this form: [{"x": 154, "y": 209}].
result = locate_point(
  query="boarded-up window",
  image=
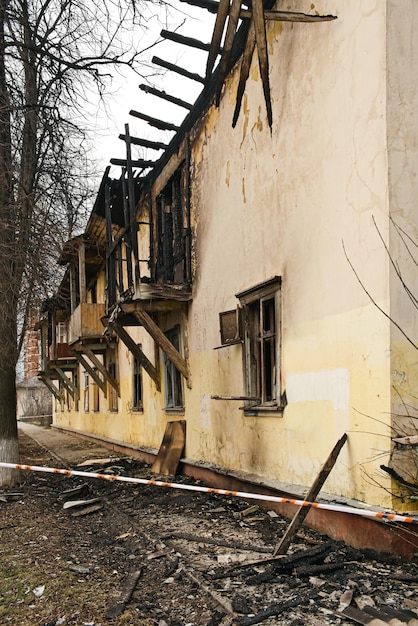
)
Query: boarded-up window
[{"x": 230, "y": 327}]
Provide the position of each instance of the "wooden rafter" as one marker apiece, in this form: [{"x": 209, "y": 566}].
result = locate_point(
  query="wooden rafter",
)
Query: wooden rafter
[
  {"x": 178, "y": 70},
  {"x": 245, "y": 71},
  {"x": 263, "y": 61},
  {"x": 221, "y": 15},
  {"x": 153, "y": 121},
  {"x": 166, "y": 96},
  {"x": 145, "y": 143},
  {"x": 224, "y": 64}
]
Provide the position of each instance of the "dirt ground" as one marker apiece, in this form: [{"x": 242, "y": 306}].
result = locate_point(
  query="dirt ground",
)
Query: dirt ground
[{"x": 156, "y": 556}]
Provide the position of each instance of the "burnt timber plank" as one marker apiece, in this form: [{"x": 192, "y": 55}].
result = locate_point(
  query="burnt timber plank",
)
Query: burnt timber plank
[
  {"x": 244, "y": 72},
  {"x": 227, "y": 51},
  {"x": 261, "y": 41},
  {"x": 140, "y": 163},
  {"x": 171, "y": 449},
  {"x": 299, "y": 517},
  {"x": 123, "y": 595}
]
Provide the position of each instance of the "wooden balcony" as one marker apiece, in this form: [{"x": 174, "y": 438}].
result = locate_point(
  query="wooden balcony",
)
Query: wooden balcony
[{"x": 85, "y": 322}]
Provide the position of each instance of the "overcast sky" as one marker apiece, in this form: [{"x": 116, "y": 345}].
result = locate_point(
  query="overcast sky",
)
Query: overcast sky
[{"x": 110, "y": 119}]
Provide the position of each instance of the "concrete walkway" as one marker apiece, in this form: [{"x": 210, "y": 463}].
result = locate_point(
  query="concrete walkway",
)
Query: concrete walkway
[{"x": 66, "y": 448}]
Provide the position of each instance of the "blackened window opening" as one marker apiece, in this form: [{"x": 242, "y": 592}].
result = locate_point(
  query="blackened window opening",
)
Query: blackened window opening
[{"x": 171, "y": 234}]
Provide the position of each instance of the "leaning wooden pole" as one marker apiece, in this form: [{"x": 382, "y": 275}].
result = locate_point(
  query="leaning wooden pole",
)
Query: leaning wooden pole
[{"x": 299, "y": 517}]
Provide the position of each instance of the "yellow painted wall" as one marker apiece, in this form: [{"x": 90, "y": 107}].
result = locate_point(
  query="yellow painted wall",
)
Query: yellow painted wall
[{"x": 309, "y": 201}]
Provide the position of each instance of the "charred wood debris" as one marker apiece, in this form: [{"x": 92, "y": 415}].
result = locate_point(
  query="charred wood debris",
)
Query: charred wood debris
[{"x": 204, "y": 559}]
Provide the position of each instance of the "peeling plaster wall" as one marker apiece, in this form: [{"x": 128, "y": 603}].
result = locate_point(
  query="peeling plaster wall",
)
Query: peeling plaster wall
[
  {"x": 402, "y": 116},
  {"x": 284, "y": 204}
]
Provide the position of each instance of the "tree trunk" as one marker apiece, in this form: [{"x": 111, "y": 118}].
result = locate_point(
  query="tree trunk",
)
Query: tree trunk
[{"x": 9, "y": 449}]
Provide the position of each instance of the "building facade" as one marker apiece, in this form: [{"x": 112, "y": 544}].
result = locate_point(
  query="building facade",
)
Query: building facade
[{"x": 258, "y": 282}]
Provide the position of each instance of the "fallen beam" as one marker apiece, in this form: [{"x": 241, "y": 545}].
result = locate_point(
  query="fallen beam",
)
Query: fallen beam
[{"x": 299, "y": 517}]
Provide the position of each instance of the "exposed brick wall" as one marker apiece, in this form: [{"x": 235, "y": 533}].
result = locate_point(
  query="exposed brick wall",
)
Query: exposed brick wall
[{"x": 31, "y": 348}]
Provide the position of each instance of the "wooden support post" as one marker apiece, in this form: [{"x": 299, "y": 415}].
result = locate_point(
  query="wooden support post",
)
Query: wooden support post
[
  {"x": 102, "y": 369},
  {"x": 128, "y": 230},
  {"x": 164, "y": 343},
  {"x": 72, "y": 389},
  {"x": 99, "y": 382},
  {"x": 137, "y": 352},
  {"x": 50, "y": 385},
  {"x": 82, "y": 272},
  {"x": 73, "y": 287},
  {"x": 299, "y": 517},
  {"x": 132, "y": 206}
]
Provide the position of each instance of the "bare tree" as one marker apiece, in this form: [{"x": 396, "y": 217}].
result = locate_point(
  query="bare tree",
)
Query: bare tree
[{"x": 52, "y": 54}]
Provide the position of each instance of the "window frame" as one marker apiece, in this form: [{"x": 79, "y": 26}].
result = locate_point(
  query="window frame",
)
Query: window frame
[
  {"x": 137, "y": 389},
  {"x": 173, "y": 374},
  {"x": 113, "y": 400},
  {"x": 254, "y": 302},
  {"x": 86, "y": 399}
]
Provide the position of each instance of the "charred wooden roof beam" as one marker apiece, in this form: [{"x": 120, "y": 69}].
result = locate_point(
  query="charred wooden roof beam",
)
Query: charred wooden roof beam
[
  {"x": 186, "y": 41},
  {"x": 145, "y": 143},
  {"x": 166, "y": 96},
  {"x": 153, "y": 121},
  {"x": 179, "y": 70}
]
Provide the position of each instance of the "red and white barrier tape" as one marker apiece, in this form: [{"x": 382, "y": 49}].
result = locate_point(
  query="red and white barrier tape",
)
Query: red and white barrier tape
[{"x": 392, "y": 517}]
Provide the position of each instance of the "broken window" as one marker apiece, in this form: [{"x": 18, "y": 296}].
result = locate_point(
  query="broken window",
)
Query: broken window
[
  {"x": 171, "y": 253},
  {"x": 172, "y": 377},
  {"x": 261, "y": 330},
  {"x": 137, "y": 385}
]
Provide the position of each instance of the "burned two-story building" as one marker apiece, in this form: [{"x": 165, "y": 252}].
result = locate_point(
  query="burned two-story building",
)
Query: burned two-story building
[{"x": 256, "y": 284}]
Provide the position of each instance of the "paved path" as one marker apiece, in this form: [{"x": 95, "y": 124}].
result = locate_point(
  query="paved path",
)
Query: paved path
[{"x": 66, "y": 448}]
